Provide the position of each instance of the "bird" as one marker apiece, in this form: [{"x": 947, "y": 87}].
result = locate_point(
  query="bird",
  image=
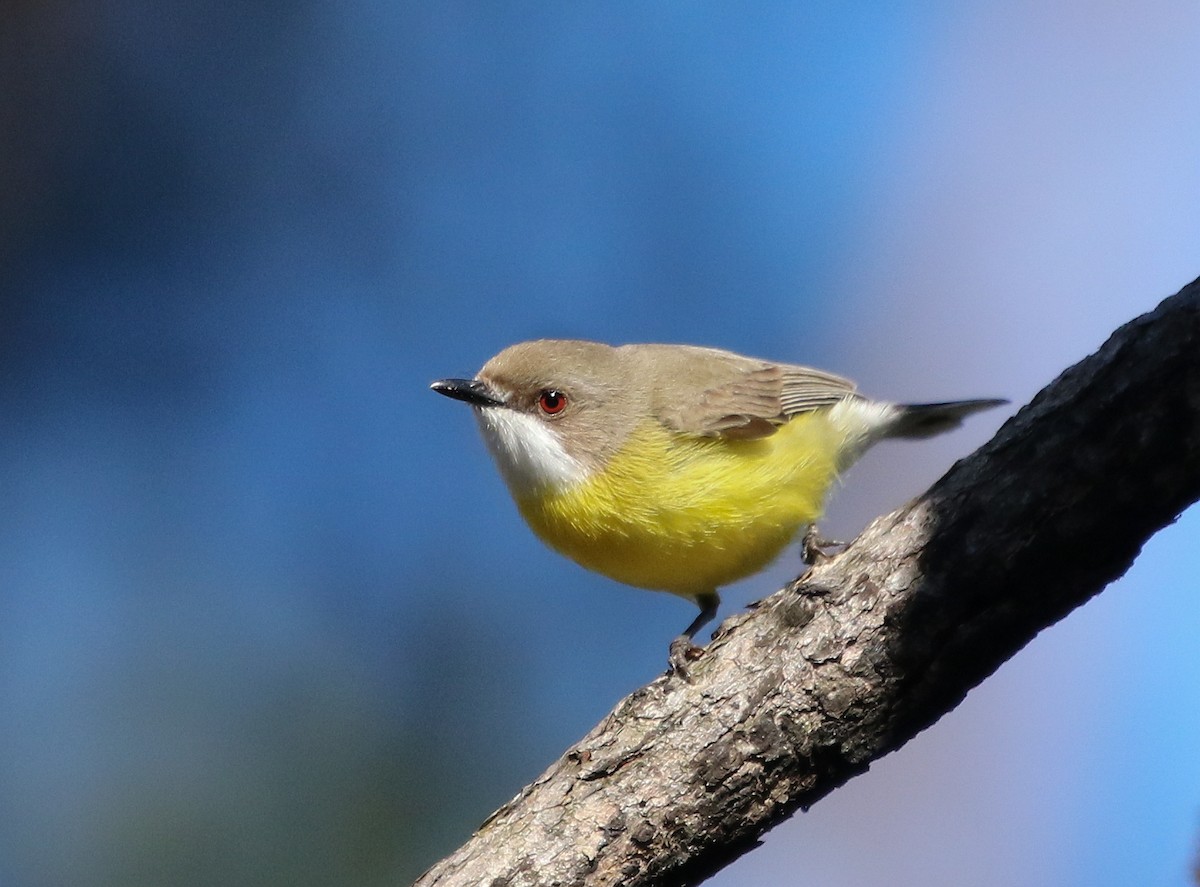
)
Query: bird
[{"x": 676, "y": 468}]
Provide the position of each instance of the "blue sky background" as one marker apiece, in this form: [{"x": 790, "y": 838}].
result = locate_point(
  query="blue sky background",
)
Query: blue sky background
[{"x": 269, "y": 616}]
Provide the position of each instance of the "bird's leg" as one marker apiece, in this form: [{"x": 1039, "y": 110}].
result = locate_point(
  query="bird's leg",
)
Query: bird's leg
[
  {"x": 682, "y": 650},
  {"x": 814, "y": 549}
]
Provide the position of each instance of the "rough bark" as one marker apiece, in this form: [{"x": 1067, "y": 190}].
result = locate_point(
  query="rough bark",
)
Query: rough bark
[{"x": 852, "y": 660}]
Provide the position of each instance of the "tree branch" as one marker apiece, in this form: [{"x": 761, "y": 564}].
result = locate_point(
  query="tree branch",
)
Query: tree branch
[{"x": 852, "y": 660}]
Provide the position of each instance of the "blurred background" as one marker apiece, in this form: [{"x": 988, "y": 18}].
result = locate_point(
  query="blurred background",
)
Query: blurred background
[{"x": 267, "y": 615}]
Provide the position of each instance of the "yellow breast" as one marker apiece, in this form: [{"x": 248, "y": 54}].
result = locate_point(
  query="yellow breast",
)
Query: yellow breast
[{"x": 688, "y": 515}]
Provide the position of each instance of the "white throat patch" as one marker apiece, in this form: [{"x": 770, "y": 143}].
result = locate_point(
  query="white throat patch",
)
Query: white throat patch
[{"x": 529, "y": 454}]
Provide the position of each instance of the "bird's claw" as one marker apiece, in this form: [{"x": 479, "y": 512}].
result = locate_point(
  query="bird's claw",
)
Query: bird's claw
[
  {"x": 681, "y": 655},
  {"x": 814, "y": 550}
]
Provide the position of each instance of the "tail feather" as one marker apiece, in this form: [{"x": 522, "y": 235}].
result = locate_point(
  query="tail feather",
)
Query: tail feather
[{"x": 919, "y": 420}]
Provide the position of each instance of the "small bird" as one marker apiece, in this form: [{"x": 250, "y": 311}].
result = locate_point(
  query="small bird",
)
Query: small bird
[{"x": 674, "y": 467}]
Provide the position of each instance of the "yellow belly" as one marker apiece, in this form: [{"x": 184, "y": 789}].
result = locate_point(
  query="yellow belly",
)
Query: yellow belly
[{"x": 688, "y": 515}]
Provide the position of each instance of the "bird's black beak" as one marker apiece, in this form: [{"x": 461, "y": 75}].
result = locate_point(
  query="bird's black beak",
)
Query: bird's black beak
[{"x": 474, "y": 392}]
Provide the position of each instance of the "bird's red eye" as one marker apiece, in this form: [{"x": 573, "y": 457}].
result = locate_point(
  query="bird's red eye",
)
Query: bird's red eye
[{"x": 551, "y": 402}]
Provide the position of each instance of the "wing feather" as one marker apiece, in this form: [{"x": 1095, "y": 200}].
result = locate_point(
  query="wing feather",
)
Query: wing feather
[{"x": 746, "y": 399}]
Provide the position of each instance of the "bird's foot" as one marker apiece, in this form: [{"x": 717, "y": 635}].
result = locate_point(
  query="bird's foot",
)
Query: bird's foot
[
  {"x": 814, "y": 550},
  {"x": 681, "y": 654}
]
